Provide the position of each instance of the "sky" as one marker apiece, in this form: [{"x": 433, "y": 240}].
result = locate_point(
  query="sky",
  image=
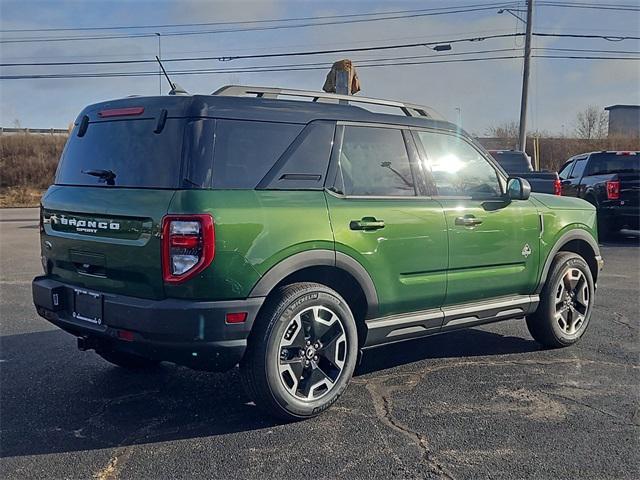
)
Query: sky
[{"x": 480, "y": 95}]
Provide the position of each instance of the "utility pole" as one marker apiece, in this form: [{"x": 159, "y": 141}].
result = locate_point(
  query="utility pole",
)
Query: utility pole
[{"x": 522, "y": 138}]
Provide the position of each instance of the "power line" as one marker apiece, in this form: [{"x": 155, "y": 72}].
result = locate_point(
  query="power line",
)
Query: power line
[
  {"x": 294, "y": 68},
  {"x": 253, "y": 22},
  {"x": 589, "y": 50},
  {"x": 247, "y": 29},
  {"x": 610, "y": 38},
  {"x": 320, "y": 52},
  {"x": 269, "y": 55},
  {"x": 615, "y": 7},
  {"x": 591, "y": 6}
]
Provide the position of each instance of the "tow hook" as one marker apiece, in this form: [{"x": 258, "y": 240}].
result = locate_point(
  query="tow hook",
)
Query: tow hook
[{"x": 86, "y": 343}]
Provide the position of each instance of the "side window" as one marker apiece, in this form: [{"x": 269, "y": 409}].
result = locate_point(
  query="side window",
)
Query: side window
[
  {"x": 374, "y": 161},
  {"x": 304, "y": 164},
  {"x": 579, "y": 168},
  {"x": 244, "y": 151},
  {"x": 564, "y": 172},
  {"x": 457, "y": 168}
]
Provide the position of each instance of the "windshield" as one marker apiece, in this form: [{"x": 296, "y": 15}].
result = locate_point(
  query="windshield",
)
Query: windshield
[
  {"x": 512, "y": 162},
  {"x": 124, "y": 153},
  {"x": 606, "y": 163}
]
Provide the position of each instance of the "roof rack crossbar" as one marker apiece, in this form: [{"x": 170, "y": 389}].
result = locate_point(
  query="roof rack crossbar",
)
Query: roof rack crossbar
[{"x": 408, "y": 109}]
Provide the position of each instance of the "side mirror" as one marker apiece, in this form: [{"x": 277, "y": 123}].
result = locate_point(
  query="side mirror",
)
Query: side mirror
[{"x": 518, "y": 189}]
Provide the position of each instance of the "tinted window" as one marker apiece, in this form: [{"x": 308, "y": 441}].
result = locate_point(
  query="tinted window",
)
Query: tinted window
[
  {"x": 579, "y": 168},
  {"x": 564, "y": 173},
  {"x": 374, "y": 161},
  {"x": 606, "y": 163},
  {"x": 244, "y": 151},
  {"x": 128, "y": 148},
  {"x": 457, "y": 168},
  {"x": 304, "y": 164},
  {"x": 513, "y": 162}
]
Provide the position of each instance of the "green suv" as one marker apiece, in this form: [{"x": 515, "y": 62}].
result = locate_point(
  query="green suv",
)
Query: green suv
[{"x": 252, "y": 227}]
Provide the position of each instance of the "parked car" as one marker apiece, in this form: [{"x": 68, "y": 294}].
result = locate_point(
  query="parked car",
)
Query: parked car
[
  {"x": 518, "y": 164},
  {"x": 611, "y": 182},
  {"x": 288, "y": 236}
]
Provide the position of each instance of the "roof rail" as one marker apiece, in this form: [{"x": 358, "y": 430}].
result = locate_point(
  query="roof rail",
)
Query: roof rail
[{"x": 408, "y": 109}]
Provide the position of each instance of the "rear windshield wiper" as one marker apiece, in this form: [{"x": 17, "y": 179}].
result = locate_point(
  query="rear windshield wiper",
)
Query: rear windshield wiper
[{"x": 106, "y": 175}]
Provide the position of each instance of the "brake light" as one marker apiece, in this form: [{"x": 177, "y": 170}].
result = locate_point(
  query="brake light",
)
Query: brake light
[
  {"x": 188, "y": 246},
  {"x": 613, "y": 190},
  {"x": 557, "y": 187},
  {"x": 121, "y": 112}
]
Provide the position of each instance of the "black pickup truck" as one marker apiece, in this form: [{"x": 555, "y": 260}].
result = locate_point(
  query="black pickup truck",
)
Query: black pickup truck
[
  {"x": 518, "y": 164},
  {"x": 611, "y": 182}
]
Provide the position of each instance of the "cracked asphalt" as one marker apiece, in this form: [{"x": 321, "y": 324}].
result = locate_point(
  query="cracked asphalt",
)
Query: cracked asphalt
[{"x": 480, "y": 403}]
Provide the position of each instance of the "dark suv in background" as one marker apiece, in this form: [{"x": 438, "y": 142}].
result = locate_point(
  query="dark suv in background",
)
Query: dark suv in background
[{"x": 610, "y": 180}]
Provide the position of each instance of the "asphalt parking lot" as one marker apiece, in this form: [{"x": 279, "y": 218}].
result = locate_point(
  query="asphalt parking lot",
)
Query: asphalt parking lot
[{"x": 481, "y": 403}]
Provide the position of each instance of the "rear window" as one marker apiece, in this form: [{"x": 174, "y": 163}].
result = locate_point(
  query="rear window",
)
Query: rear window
[
  {"x": 606, "y": 163},
  {"x": 124, "y": 153},
  {"x": 512, "y": 162}
]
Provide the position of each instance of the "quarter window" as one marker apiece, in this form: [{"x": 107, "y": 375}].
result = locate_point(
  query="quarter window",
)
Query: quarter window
[
  {"x": 564, "y": 173},
  {"x": 244, "y": 151},
  {"x": 457, "y": 168},
  {"x": 374, "y": 162},
  {"x": 579, "y": 168}
]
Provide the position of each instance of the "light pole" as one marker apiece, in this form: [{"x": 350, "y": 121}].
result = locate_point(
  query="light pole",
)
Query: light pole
[
  {"x": 524, "y": 99},
  {"x": 522, "y": 137},
  {"x": 159, "y": 70}
]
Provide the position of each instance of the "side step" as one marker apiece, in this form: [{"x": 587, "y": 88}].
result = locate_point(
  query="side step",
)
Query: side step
[{"x": 395, "y": 328}]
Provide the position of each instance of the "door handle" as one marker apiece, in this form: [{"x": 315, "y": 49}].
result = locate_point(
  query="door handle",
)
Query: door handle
[
  {"x": 366, "y": 223},
  {"x": 468, "y": 221}
]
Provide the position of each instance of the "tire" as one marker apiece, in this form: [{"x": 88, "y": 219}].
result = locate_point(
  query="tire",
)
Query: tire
[
  {"x": 566, "y": 303},
  {"x": 285, "y": 370},
  {"x": 127, "y": 360}
]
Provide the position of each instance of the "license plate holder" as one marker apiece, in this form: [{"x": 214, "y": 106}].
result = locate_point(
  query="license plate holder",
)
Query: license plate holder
[{"x": 87, "y": 306}]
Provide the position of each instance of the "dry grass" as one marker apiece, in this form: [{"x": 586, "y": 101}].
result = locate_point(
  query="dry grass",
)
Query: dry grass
[
  {"x": 555, "y": 151},
  {"x": 20, "y": 197},
  {"x": 29, "y": 160}
]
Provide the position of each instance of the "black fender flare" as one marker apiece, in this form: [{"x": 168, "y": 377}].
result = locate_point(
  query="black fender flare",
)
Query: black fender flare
[
  {"x": 316, "y": 258},
  {"x": 575, "y": 234}
]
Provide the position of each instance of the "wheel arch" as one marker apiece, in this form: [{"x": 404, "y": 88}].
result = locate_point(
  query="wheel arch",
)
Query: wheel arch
[
  {"x": 336, "y": 270},
  {"x": 576, "y": 241}
]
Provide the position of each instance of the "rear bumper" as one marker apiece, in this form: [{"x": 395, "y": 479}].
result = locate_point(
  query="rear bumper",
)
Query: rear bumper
[
  {"x": 621, "y": 215},
  {"x": 191, "y": 333}
]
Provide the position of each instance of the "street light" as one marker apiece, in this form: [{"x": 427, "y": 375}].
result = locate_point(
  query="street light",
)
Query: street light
[{"x": 440, "y": 48}]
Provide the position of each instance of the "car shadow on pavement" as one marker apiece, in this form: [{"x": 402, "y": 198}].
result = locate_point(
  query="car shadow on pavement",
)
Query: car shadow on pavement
[
  {"x": 55, "y": 399},
  {"x": 625, "y": 238}
]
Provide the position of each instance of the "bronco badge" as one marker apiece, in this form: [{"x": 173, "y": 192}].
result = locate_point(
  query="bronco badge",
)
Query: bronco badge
[{"x": 526, "y": 250}]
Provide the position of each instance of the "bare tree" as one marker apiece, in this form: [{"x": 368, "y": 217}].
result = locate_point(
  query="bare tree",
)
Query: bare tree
[
  {"x": 591, "y": 123},
  {"x": 505, "y": 130}
]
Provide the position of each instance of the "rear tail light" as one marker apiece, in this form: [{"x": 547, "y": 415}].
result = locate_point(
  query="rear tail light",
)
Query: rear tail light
[
  {"x": 613, "y": 190},
  {"x": 188, "y": 246},
  {"x": 557, "y": 187}
]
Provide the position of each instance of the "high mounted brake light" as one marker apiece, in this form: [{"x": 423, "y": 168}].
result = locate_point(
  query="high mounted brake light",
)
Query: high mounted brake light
[
  {"x": 121, "y": 112},
  {"x": 613, "y": 190},
  {"x": 188, "y": 246}
]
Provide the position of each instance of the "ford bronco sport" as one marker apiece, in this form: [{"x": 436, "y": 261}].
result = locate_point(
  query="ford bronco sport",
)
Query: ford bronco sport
[{"x": 287, "y": 236}]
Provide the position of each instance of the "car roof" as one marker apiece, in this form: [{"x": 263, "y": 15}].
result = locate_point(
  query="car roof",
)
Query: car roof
[{"x": 255, "y": 108}]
